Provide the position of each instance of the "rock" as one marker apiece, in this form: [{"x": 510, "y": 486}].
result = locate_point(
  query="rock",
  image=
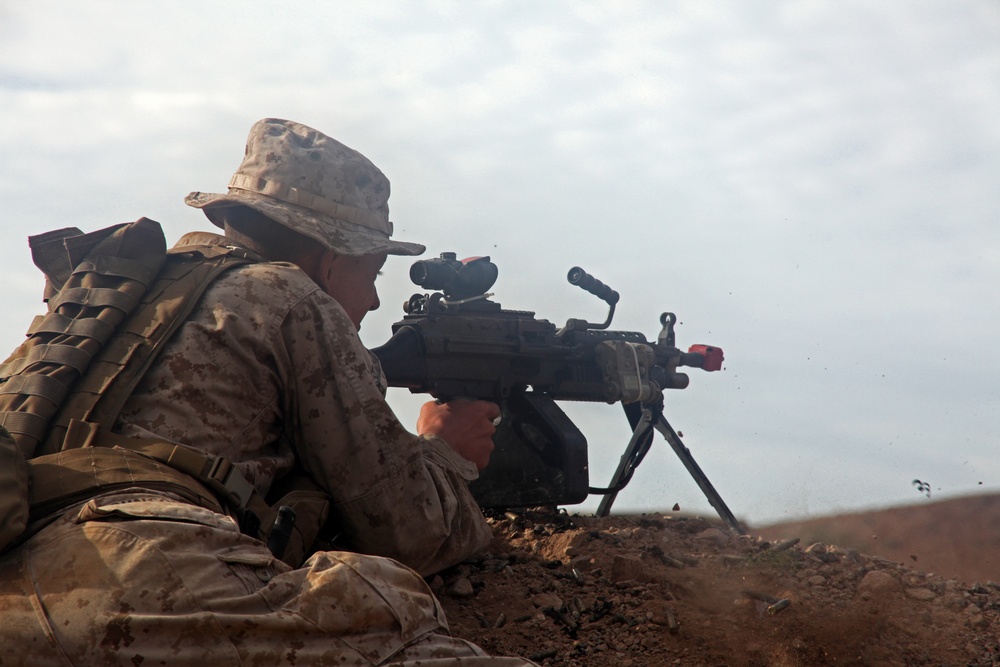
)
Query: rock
[
  {"x": 878, "y": 581},
  {"x": 714, "y": 536},
  {"x": 461, "y": 588},
  {"x": 543, "y": 600},
  {"x": 978, "y": 621},
  {"x": 850, "y": 555},
  {"x": 921, "y": 593},
  {"x": 823, "y": 553},
  {"x": 624, "y": 568}
]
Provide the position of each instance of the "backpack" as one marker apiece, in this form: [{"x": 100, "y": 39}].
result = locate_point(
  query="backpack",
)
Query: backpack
[
  {"x": 92, "y": 283},
  {"x": 13, "y": 490},
  {"x": 115, "y": 297}
]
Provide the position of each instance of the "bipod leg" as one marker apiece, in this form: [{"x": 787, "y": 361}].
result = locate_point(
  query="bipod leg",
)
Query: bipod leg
[
  {"x": 661, "y": 424},
  {"x": 641, "y": 434}
]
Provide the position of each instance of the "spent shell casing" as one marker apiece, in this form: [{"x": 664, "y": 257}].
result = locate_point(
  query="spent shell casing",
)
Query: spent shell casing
[
  {"x": 673, "y": 562},
  {"x": 672, "y": 625},
  {"x": 783, "y": 603},
  {"x": 784, "y": 546}
]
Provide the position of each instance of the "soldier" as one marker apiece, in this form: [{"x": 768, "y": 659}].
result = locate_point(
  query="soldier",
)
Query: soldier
[{"x": 268, "y": 373}]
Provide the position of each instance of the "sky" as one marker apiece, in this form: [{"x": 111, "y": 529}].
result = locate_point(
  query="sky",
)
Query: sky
[{"x": 812, "y": 186}]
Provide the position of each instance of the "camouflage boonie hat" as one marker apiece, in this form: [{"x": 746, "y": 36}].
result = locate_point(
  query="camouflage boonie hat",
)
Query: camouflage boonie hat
[{"x": 314, "y": 185}]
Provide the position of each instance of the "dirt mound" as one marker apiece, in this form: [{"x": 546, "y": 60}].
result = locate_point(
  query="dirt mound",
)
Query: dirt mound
[
  {"x": 957, "y": 538},
  {"x": 672, "y": 590}
]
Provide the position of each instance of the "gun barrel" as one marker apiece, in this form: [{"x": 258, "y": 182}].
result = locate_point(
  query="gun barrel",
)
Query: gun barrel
[{"x": 706, "y": 357}]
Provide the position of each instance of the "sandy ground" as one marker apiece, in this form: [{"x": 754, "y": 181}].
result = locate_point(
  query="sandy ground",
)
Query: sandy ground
[{"x": 911, "y": 586}]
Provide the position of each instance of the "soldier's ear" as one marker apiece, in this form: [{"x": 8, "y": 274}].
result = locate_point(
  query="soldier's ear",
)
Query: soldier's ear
[{"x": 326, "y": 270}]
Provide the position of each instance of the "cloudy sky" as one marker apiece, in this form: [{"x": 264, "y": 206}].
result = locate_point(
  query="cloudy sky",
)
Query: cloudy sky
[{"x": 812, "y": 186}]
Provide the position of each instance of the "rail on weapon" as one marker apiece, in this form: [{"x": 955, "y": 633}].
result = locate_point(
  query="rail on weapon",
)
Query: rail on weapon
[{"x": 455, "y": 342}]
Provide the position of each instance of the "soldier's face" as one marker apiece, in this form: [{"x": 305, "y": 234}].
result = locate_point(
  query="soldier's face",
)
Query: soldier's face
[{"x": 351, "y": 282}]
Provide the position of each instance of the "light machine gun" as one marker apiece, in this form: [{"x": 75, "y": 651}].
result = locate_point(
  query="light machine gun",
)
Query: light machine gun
[{"x": 456, "y": 343}]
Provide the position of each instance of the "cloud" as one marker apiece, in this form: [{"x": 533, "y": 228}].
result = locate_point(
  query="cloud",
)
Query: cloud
[{"x": 811, "y": 186}]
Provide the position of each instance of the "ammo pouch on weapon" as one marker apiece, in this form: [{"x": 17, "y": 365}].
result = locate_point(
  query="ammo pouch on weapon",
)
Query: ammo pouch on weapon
[{"x": 115, "y": 297}]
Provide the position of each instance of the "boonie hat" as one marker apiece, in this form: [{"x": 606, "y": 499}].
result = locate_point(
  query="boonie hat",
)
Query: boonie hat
[{"x": 314, "y": 185}]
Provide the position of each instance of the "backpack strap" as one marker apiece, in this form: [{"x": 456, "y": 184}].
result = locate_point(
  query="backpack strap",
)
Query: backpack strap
[
  {"x": 119, "y": 366},
  {"x": 90, "y": 411},
  {"x": 217, "y": 473},
  {"x": 78, "y": 456},
  {"x": 65, "y": 478},
  {"x": 109, "y": 461}
]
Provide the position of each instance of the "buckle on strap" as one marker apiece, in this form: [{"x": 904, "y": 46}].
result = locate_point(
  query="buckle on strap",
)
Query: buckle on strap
[
  {"x": 226, "y": 478},
  {"x": 216, "y": 472}
]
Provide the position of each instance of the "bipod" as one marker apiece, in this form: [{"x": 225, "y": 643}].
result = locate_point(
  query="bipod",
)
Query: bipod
[{"x": 643, "y": 423}]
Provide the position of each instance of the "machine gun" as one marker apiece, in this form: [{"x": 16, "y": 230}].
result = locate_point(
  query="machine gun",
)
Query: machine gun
[{"x": 457, "y": 343}]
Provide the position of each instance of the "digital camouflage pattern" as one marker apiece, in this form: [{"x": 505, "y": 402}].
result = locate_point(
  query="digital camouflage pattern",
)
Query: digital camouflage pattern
[
  {"x": 145, "y": 579},
  {"x": 270, "y": 373},
  {"x": 314, "y": 185}
]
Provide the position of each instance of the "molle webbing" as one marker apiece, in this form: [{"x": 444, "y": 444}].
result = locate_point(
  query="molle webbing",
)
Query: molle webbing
[
  {"x": 115, "y": 297},
  {"x": 116, "y": 370},
  {"x": 95, "y": 282}
]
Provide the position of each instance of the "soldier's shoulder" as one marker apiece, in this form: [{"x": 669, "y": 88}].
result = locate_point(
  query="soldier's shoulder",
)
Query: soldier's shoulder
[
  {"x": 280, "y": 276},
  {"x": 269, "y": 284}
]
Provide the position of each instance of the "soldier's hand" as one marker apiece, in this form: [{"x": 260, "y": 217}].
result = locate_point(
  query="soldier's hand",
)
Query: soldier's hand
[{"x": 467, "y": 426}]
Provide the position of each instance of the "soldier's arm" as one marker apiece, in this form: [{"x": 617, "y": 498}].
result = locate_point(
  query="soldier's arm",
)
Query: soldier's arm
[{"x": 394, "y": 493}]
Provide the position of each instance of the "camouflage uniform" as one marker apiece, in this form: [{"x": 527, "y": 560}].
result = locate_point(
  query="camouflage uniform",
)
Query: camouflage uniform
[
  {"x": 146, "y": 579},
  {"x": 268, "y": 371}
]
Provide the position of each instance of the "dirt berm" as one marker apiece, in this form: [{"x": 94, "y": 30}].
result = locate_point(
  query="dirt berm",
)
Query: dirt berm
[{"x": 663, "y": 590}]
